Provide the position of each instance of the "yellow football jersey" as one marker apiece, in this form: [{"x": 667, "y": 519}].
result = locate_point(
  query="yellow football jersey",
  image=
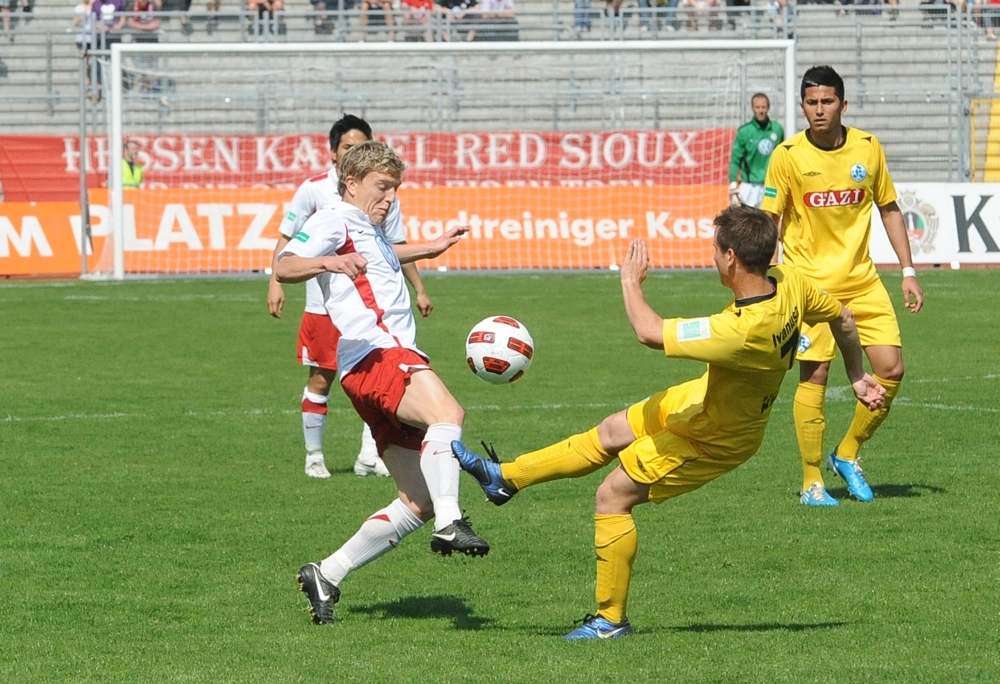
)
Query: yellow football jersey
[
  {"x": 748, "y": 348},
  {"x": 825, "y": 198}
]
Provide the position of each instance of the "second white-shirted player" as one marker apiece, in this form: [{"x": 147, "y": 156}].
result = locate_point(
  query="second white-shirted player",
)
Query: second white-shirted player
[
  {"x": 317, "y": 343},
  {"x": 412, "y": 415}
]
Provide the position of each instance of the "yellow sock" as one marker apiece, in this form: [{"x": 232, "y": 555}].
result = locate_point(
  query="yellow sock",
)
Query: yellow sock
[
  {"x": 810, "y": 426},
  {"x": 616, "y": 540},
  {"x": 866, "y": 422},
  {"x": 579, "y": 455}
]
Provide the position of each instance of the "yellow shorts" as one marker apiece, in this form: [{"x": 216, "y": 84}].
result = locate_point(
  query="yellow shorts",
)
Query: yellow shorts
[
  {"x": 670, "y": 464},
  {"x": 876, "y": 320}
]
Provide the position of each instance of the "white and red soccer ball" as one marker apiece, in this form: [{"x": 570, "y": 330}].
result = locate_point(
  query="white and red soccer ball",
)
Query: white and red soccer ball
[{"x": 499, "y": 349}]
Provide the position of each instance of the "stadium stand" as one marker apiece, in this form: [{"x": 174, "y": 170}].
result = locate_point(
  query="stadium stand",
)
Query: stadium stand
[{"x": 914, "y": 105}]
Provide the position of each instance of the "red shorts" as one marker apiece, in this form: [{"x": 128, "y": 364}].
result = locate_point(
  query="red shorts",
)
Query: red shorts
[
  {"x": 375, "y": 386},
  {"x": 425, "y": 5},
  {"x": 318, "y": 338}
]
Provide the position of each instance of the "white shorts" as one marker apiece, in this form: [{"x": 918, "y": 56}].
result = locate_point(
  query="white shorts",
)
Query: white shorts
[{"x": 751, "y": 194}]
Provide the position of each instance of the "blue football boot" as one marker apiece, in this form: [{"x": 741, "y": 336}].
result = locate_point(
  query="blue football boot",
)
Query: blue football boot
[
  {"x": 597, "y": 627},
  {"x": 817, "y": 495},
  {"x": 486, "y": 471},
  {"x": 855, "y": 479}
]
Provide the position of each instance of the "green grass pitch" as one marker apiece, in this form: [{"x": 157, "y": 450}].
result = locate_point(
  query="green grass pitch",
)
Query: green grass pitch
[{"x": 154, "y": 510}]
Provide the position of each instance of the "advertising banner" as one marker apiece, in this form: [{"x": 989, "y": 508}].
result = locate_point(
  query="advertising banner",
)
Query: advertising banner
[
  {"x": 948, "y": 223},
  {"x": 215, "y": 231}
]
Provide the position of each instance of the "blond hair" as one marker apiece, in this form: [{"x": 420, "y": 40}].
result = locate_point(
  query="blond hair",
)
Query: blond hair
[{"x": 368, "y": 157}]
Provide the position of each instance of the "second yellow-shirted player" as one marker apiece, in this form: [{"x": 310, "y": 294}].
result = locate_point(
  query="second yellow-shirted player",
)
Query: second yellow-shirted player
[
  {"x": 821, "y": 188},
  {"x": 686, "y": 436}
]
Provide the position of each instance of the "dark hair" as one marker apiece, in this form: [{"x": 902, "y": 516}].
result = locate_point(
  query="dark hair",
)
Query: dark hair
[
  {"x": 348, "y": 123},
  {"x": 750, "y": 233},
  {"x": 822, "y": 76},
  {"x": 763, "y": 95}
]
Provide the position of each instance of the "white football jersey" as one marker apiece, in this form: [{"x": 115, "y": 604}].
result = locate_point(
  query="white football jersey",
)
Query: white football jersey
[
  {"x": 320, "y": 192},
  {"x": 372, "y": 311}
]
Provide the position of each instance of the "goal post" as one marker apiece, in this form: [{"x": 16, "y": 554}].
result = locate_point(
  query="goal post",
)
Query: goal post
[{"x": 555, "y": 154}]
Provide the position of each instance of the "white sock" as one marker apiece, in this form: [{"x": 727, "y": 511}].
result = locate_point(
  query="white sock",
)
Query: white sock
[
  {"x": 313, "y": 424},
  {"x": 440, "y": 470},
  {"x": 380, "y": 534},
  {"x": 369, "y": 450}
]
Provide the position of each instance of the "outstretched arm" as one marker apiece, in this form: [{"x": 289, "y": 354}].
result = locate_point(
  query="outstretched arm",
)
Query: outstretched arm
[
  {"x": 646, "y": 323},
  {"x": 895, "y": 229},
  {"x": 845, "y": 332},
  {"x": 428, "y": 250}
]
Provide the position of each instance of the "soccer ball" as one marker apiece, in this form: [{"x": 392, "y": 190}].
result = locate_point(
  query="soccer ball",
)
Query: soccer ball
[{"x": 499, "y": 349}]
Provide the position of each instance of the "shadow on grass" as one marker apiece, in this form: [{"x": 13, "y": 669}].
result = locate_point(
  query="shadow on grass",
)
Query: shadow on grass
[
  {"x": 422, "y": 607},
  {"x": 893, "y": 491},
  {"x": 763, "y": 627}
]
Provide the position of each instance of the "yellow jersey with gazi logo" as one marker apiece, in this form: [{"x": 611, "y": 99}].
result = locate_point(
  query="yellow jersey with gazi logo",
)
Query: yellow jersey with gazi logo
[{"x": 825, "y": 198}]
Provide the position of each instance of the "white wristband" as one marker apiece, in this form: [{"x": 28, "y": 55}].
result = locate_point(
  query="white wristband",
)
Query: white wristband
[{"x": 909, "y": 272}]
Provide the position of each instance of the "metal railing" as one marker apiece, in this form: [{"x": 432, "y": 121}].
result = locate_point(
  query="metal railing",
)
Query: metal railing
[{"x": 911, "y": 73}]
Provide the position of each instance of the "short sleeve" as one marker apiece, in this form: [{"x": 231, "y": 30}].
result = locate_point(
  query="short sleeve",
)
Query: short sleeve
[
  {"x": 777, "y": 183},
  {"x": 302, "y": 207},
  {"x": 884, "y": 191},
  {"x": 321, "y": 235},
  {"x": 717, "y": 339},
  {"x": 819, "y": 307}
]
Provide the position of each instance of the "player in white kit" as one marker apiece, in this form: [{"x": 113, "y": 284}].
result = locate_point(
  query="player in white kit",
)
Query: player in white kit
[
  {"x": 317, "y": 343},
  {"x": 412, "y": 415}
]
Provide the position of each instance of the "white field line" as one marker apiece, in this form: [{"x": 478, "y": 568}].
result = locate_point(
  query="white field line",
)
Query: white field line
[
  {"x": 10, "y": 418},
  {"x": 841, "y": 394}
]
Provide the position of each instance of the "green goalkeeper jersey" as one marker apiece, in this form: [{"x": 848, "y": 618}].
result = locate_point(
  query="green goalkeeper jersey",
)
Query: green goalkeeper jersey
[{"x": 752, "y": 150}]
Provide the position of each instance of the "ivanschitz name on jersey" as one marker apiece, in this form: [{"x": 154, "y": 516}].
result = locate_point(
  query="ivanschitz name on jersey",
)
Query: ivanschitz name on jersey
[{"x": 833, "y": 198}]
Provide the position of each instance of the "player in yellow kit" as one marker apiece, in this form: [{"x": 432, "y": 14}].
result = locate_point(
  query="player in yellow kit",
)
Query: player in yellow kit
[
  {"x": 686, "y": 436},
  {"x": 822, "y": 186}
]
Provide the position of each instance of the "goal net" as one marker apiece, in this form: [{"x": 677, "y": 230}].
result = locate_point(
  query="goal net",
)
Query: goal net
[{"x": 556, "y": 155}]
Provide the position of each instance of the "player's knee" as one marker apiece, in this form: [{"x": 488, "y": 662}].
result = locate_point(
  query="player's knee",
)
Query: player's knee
[
  {"x": 893, "y": 373},
  {"x": 420, "y": 506}
]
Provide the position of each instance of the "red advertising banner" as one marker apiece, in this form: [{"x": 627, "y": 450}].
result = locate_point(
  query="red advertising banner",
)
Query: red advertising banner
[{"x": 47, "y": 168}]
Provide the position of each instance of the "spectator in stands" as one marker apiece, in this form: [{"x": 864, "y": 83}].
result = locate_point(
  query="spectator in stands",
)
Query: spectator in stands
[
  {"x": 144, "y": 18},
  {"x": 145, "y": 24},
  {"x": 733, "y": 11},
  {"x": 5, "y": 11},
  {"x": 269, "y": 7},
  {"x": 499, "y": 12},
  {"x": 109, "y": 19},
  {"x": 131, "y": 168},
  {"x": 212, "y": 6},
  {"x": 320, "y": 25},
  {"x": 386, "y": 7},
  {"x": 582, "y": 16},
  {"x": 664, "y": 19},
  {"x": 696, "y": 9},
  {"x": 419, "y": 12},
  {"x": 991, "y": 17},
  {"x": 456, "y": 12},
  {"x": 83, "y": 18}
]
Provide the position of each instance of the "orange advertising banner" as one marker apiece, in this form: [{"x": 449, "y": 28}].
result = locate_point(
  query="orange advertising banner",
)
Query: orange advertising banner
[{"x": 182, "y": 231}]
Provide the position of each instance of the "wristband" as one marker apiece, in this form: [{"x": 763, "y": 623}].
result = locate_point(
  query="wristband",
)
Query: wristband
[
  {"x": 909, "y": 272},
  {"x": 734, "y": 187}
]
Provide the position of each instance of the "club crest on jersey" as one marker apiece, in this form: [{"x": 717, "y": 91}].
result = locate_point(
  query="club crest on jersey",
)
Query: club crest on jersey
[
  {"x": 765, "y": 147},
  {"x": 921, "y": 221},
  {"x": 833, "y": 198},
  {"x": 858, "y": 173},
  {"x": 804, "y": 343},
  {"x": 387, "y": 251}
]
